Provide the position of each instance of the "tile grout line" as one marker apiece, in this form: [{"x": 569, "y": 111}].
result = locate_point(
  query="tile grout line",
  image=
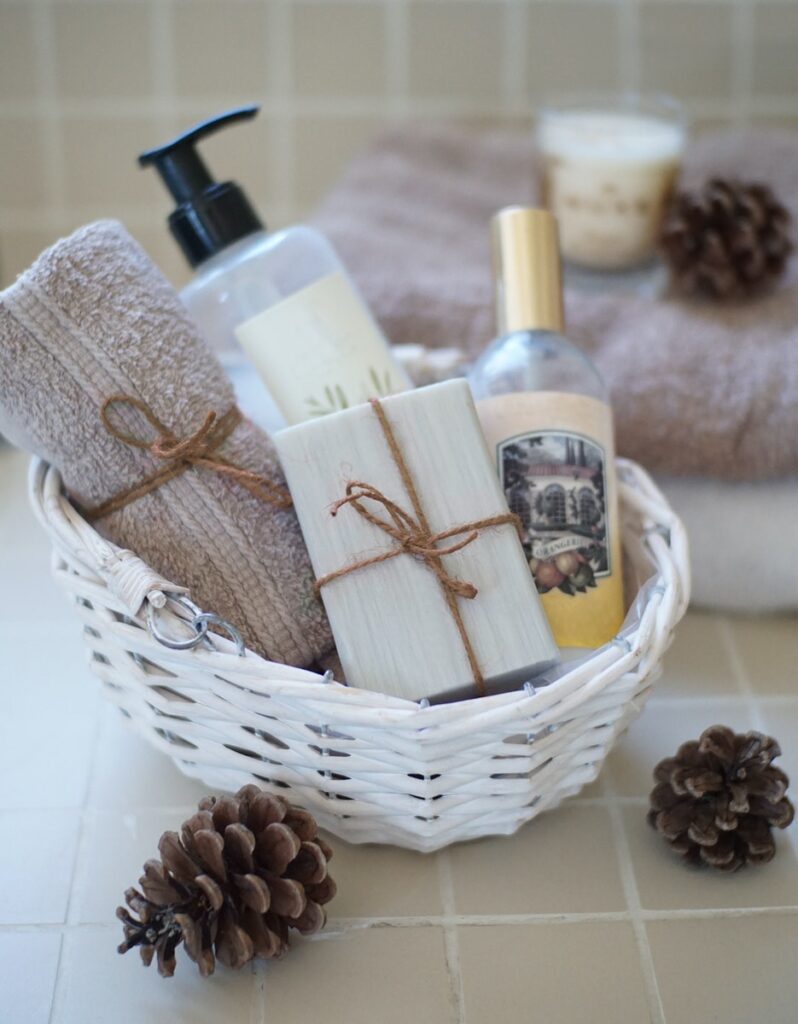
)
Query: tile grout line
[
  {"x": 740, "y": 673},
  {"x": 47, "y": 101},
  {"x": 515, "y": 41},
  {"x": 450, "y": 936},
  {"x": 283, "y": 114},
  {"x": 629, "y": 45},
  {"x": 632, "y": 895},
  {"x": 162, "y": 47},
  {"x": 77, "y": 866},
  {"x": 396, "y": 57},
  {"x": 742, "y": 48},
  {"x": 343, "y": 925}
]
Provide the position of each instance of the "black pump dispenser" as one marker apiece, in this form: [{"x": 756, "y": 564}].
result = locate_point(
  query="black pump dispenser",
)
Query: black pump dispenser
[{"x": 210, "y": 215}]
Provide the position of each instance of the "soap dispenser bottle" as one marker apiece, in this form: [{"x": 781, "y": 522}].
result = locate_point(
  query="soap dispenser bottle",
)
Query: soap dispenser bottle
[
  {"x": 545, "y": 413},
  {"x": 284, "y": 297}
]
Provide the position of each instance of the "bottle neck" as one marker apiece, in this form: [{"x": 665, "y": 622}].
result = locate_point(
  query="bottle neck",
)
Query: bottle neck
[
  {"x": 527, "y": 309},
  {"x": 526, "y": 265}
]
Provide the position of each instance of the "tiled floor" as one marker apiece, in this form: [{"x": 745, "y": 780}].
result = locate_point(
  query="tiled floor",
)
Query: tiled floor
[{"x": 582, "y": 918}]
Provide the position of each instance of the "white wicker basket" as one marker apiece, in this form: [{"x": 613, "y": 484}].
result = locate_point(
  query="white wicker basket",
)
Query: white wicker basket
[{"x": 372, "y": 768}]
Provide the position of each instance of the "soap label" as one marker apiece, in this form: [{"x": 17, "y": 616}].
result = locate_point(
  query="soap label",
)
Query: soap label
[
  {"x": 319, "y": 351},
  {"x": 554, "y": 456},
  {"x": 556, "y": 483}
]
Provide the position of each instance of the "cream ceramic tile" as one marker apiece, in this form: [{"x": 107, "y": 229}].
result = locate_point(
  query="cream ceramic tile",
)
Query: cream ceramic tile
[
  {"x": 36, "y": 860},
  {"x": 768, "y": 648},
  {"x": 28, "y": 965},
  {"x": 660, "y": 731},
  {"x": 736, "y": 970},
  {"x": 697, "y": 663},
  {"x": 338, "y": 49},
  {"x": 48, "y": 665},
  {"x": 775, "y": 35},
  {"x": 16, "y": 518},
  {"x": 579, "y": 973},
  {"x": 385, "y": 975},
  {"x": 666, "y": 883},
  {"x": 47, "y": 729},
  {"x": 34, "y": 596},
  {"x": 562, "y": 862},
  {"x": 324, "y": 145},
  {"x": 17, "y": 51},
  {"x": 686, "y": 48},
  {"x": 455, "y": 50},
  {"x": 22, "y": 162},
  {"x": 101, "y": 162},
  {"x": 247, "y": 154},
  {"x": 103, "y": 49},
  {"x": 381, "y": 881},
  {"x": 117, "y": 845},
  {"x": 164, "y": 252},
  {"x": 131, "y": 775},
  {"x": 18, "y": 249},
  {"x": 220, "y": 50},
  {"x": 96, "y": 986},
  {"x": 572, "y": 46}
]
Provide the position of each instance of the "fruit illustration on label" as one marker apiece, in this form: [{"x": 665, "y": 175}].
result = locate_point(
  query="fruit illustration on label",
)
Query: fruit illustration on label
[{"x": 556, "y": 483}]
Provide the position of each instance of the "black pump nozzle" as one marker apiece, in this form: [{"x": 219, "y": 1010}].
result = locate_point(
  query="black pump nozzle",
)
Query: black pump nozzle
[{"x": 210, "y": 215}]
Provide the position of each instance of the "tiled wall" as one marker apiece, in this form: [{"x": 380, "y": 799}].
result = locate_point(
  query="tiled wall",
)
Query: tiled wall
[{"x": 86, "y": 84}]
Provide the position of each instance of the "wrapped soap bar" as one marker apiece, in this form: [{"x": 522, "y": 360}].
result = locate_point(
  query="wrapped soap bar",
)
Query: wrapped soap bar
[{"x": 417, "y": 557}]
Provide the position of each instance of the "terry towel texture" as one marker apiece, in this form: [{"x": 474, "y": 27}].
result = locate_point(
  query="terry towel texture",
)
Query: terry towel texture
[
  {"x": 698, "y": 389},
  {"x": 743, "y": 542},
  {"x": 94, "y": 317}
]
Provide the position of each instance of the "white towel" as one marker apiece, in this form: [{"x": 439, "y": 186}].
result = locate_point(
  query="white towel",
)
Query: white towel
[{"x": 743, "y": 541}]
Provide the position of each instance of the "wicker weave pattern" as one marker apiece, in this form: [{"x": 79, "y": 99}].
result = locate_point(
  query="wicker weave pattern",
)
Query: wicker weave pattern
[{"x": 372, "y": 768}]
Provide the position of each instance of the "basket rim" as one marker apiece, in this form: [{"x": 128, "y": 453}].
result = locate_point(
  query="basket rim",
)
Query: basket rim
[{"x": 662, "y": 534}]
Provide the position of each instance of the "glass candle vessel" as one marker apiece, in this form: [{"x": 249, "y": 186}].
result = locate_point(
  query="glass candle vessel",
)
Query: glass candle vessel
[{"x": 607, "y": 169}]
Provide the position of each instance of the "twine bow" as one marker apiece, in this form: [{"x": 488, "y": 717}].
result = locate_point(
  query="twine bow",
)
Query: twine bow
[
  {"x": 414, "y": 537},
  {"x": 179, "y": 454}
]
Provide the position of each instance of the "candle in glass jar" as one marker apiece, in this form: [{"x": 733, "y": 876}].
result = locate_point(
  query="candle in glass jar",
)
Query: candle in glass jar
[{"x": 607, "y": 175}]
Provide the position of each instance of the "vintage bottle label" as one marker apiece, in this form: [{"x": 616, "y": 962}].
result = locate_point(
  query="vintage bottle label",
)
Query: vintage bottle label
[
  {"x": 555, "y": 458},
  {"x": 319, "y": 351}
]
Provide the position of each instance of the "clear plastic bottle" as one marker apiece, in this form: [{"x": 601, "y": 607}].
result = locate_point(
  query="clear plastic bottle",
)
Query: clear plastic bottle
[
  {"x": 284, "y": 297},
  {"x": 545, "y": 413}
]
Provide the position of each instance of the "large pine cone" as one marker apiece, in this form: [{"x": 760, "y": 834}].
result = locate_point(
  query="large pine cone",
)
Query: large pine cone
[
  {"x": 716, "y": 801},
  {"x": 241, "y": 872},
  {"x": 729, "y": 240}
]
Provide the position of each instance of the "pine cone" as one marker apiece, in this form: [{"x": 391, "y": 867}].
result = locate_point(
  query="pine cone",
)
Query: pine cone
[
  {"x": 729, "y": 240},
  {"x": 241, "y": 872},
  {"x": 716, "y": 801}
]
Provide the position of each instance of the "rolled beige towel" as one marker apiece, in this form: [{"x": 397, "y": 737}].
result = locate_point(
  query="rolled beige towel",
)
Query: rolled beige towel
[{"x": 92, "y": 318}]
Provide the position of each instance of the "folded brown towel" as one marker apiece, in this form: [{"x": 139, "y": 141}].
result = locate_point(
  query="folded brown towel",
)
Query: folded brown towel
[
  {"x": 698, "y": 389},
  {"x": 94, "y": 317}
]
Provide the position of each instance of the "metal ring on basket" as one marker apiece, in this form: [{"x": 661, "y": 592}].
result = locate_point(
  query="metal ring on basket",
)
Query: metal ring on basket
[
  {"x": 200, "y": 626},
  {"x": 205, "y": 619}
]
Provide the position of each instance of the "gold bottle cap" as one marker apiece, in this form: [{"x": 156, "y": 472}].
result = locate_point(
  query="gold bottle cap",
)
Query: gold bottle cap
[{"x": 526, "y": 271}]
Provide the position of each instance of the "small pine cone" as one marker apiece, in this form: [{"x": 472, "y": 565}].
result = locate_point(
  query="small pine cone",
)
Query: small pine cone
[
  {"x": 241, "y": 872},
  {"x": 717, "y": 800},
  {"x": 729, "y": 240}
]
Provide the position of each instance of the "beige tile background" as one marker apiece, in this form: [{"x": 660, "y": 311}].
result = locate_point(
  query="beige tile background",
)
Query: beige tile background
[{"x": 86, "y": 84}]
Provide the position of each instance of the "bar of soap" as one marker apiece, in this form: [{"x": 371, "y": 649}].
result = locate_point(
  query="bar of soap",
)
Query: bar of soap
[{"x": 393, "y": 628}]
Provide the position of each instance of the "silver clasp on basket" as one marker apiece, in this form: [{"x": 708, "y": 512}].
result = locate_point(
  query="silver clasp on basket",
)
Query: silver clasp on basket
[{"x": 198, "y": 623}]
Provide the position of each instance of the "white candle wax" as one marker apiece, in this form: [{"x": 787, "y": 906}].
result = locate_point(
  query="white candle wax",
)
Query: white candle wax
[{"x": 607, "y": 176}]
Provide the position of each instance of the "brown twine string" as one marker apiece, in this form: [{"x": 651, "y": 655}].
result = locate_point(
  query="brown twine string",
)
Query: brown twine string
[
  {"x": 414, "y": 537},
  {"x": 179, "y": 454}
]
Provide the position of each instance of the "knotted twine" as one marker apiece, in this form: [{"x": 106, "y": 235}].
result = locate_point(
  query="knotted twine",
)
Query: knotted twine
[
  {"x": 180, "y": 454},
  {"x": 414, "y": 537}
]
